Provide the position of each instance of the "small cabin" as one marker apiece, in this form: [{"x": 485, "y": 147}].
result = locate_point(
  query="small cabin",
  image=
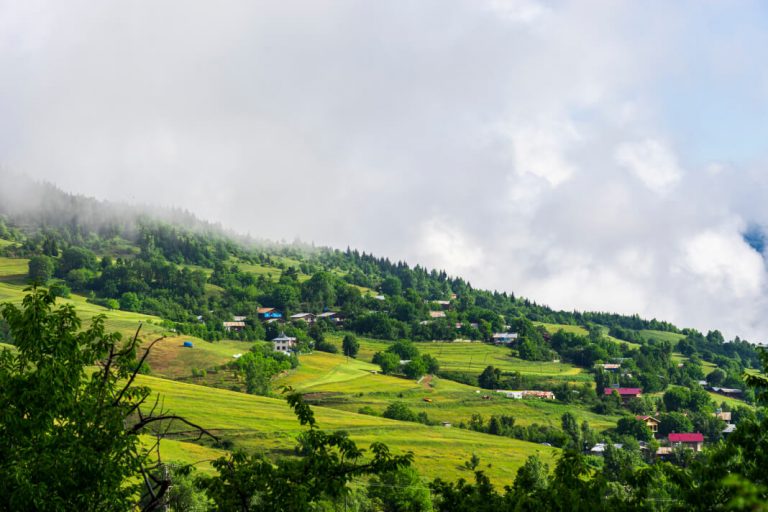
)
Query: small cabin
[
  {"x": 650, "y": 422},
  {"x": 306, "y": 317},
  {"x": 234, "y": 326}
]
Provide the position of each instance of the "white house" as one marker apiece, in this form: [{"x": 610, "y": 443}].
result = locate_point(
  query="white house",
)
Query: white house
[{"x": 284, "y": 343}]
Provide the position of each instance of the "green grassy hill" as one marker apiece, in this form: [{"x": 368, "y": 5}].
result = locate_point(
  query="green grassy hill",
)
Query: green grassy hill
[
  {"x": 268, "y": 425},
  {"x": 473, "y": 357},
  {"x": 349, "y": 385}
]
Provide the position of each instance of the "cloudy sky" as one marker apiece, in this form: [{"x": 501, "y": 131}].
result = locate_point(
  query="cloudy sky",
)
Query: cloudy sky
[{"x": 587, "y": 154}]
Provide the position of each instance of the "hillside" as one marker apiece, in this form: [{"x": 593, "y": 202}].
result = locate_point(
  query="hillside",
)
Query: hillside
[{"x": 197, "y": 285}]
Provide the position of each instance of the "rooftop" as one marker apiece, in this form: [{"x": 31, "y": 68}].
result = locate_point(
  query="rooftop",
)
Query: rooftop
[
  {"x": 623, "y": 391},
  {"x": 690, "y": 437}
]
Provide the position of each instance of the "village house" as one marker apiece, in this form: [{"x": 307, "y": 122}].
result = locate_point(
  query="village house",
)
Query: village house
[
  {"x": 626, "y": 394},
  {"x": 444, "y": 304},
  {"x": 234, "y": 326},
  {"x": 330, "y": 316},
  {"x": 284, "y": 343},
  {"x": 239, "y": 318},
  {"x": 306, "y": 317},
  {"x": 437, "y": 314},
  {"x": 722, "y": 415},
  {"x": 692, "y": 440},
  {"x": 611, "y": 367},
  {"x": 504, "y": 338},
  {"x": 267, "y": 314},
  {"x": 650, "y": 422}
]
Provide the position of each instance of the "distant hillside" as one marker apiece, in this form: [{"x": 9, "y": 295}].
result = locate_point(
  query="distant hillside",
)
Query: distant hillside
[{"x": 196, "y": 276}]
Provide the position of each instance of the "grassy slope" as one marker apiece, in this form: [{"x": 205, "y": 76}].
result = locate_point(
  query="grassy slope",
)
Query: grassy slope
[
  {"x": 577, "y": 329},
  {"x": 672, "y": 337},
  {"x": 185, "y": 452},
  {"x": 170, "y": 359},
  {"x": 349, "y": 385},
  {"x": 267, "y": 424},
  {"x": 474, "y": 357}
]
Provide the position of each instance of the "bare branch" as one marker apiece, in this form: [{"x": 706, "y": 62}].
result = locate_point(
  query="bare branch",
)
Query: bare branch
[
  {"x": 136, "y": 370},
  {"x": 132, "y": 344},
  {"x": 171, "y": 417}
]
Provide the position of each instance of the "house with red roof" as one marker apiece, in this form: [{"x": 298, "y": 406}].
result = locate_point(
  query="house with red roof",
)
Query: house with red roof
[
  {"x": 625, "y": 393},
  {"x": 692, "y": 440}
]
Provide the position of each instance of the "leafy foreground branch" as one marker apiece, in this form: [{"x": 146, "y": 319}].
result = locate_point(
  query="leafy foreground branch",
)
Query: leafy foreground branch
[
  {"x": 327, "y": 462},
  {"x": 71, "y": 417}
]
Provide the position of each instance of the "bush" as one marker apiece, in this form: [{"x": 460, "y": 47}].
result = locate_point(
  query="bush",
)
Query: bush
[
  {"x": 60, "y": 289},
  {"x": 326, "y": 346},
  {"x": 399, "y": 411}
]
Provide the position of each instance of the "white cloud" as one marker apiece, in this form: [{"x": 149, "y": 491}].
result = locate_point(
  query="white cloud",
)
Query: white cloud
[
  {"x": 652, "y": 162},
  {"x": 519, "y": 11},
  {"x": 541, "y": 150},
  {"x": 377, "y": 126},
  {"x": 448, "y": 247},
  {"x": 724, "y": 264}
]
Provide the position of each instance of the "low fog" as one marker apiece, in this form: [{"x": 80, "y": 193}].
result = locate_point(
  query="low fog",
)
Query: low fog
[{"x": 587, "y": 155}]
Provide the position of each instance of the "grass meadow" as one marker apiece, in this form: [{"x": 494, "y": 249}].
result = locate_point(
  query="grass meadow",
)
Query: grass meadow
[{"x": 268, "y": 425}]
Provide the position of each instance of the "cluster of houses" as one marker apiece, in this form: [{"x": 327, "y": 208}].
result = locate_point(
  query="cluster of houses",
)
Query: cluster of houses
[
  {"x": 282, "y": 343},
  {"x": 271, "y": 315},
  {"x": 691, "y": 440}
]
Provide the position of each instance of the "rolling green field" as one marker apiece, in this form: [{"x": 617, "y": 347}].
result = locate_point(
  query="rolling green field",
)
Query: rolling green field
[
  {"x": 672, "y": 337},
  {"x": 170, "y": 359},
  {"x": 473, "y": 357},
  {"x": 268, "y": 425},
  {"x": 12, "y": 276},
  {"x": 680, "y": 358},
  {"x": 553, "y": 328},
  {"x": 173, "y": 451},
  {"x": 270, "y": 271},
  {"x": 335, "y": 382},
  {"x": 581, "y": 331},
  {"x": 14, "y": 270}
]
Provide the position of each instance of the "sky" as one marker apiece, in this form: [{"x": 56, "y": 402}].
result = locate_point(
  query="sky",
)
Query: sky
[{"x": 592, "y": 155}]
